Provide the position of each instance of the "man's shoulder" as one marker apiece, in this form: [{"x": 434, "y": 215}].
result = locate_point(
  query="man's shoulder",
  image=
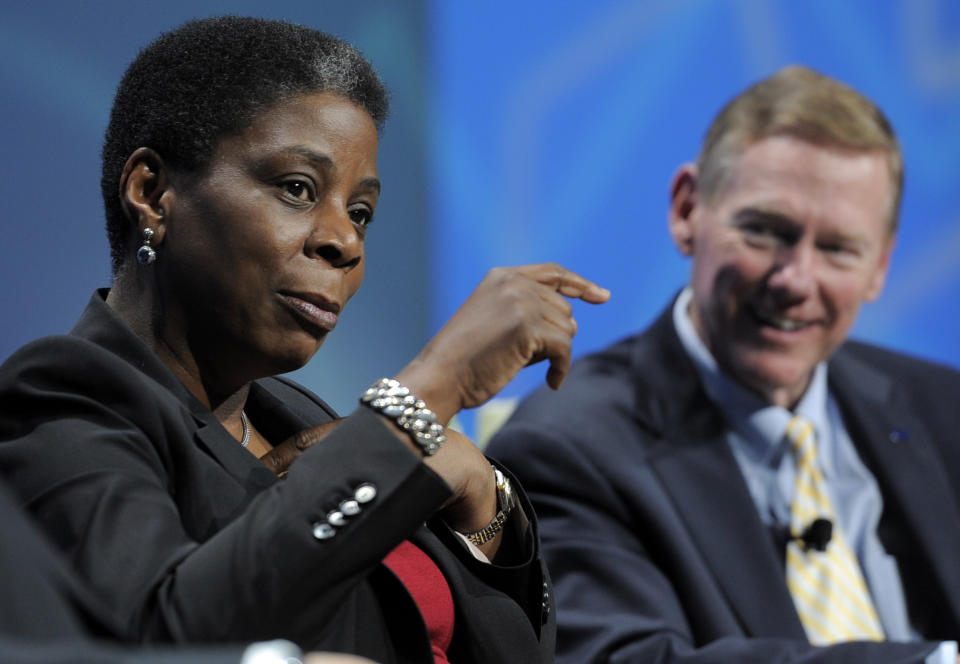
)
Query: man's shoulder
[
  {"x": 604, "y": 401},
  {"x": 598, "y": 380},
  {"x": 605, "y": 368},
  {"x": 904, "y": 368}
]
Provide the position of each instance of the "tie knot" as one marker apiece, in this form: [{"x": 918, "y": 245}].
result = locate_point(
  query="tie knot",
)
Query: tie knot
[{"x": 802, "y": 438}]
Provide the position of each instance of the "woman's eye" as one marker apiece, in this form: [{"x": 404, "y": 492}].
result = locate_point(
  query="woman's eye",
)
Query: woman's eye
[
  {"x": 297, "y": 189},
  {"x": 361, "y": 216}
]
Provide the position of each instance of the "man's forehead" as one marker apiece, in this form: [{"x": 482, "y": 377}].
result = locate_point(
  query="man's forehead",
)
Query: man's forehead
[{"x": 784, "y": 174}]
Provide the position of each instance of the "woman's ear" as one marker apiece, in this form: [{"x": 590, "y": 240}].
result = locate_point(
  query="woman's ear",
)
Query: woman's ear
[
  {"x": 683, "y": 201},
  {"x": 144, "y": 186}
]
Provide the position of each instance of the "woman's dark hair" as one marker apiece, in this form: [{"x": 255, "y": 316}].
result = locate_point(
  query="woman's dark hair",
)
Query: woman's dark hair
[{"x": 212, "y": 77}]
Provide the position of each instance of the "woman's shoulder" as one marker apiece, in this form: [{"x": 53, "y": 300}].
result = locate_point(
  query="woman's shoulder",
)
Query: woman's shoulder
[
  {"x": 70, "y": 408},
  {"x": 67, "y": 363},
  {"x": 73, "y": 396},
  {"x": 101, "y": 358}
]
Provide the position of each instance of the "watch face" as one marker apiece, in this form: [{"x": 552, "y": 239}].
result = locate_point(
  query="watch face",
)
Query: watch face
[{"x": 505, "y": 498}]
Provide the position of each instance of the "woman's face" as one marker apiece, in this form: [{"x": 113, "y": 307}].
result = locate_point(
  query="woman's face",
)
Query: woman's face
[{"x": 262, "y": 251}]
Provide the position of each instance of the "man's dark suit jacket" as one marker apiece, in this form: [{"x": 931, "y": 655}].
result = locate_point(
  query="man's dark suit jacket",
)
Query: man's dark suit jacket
[
  {"x": 186, "y": 537},
  {"x": 656, "y": 548}
]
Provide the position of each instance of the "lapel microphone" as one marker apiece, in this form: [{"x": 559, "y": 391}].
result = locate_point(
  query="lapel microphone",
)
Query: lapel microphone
[{"x": 817, "y": 535}]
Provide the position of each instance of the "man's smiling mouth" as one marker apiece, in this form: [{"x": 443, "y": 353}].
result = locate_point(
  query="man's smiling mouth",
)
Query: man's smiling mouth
[{"x": 780, "y": 322}]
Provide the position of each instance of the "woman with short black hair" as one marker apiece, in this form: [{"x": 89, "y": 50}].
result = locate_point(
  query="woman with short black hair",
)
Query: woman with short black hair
[{"x": 202, "y": 497}]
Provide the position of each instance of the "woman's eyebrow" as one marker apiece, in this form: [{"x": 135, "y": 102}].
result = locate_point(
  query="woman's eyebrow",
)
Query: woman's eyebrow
[
  {"x": 322, "y": 160},
  {"x": 319, "y": 159},
  {"x": 372, "y": 184}
]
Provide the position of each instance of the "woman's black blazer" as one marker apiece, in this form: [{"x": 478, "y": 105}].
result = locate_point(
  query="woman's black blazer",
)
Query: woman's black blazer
[{"x": 186, "y": 537}]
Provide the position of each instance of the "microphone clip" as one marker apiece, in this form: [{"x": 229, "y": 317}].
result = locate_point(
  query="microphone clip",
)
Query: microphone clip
[{"x": 817, "y": 535}]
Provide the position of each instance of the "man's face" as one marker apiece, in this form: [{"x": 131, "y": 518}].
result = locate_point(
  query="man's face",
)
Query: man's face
[{"x": 783, "y": 257}]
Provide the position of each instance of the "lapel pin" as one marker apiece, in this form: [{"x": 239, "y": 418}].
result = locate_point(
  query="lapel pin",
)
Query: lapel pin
[{"x": 899, "y": 435}]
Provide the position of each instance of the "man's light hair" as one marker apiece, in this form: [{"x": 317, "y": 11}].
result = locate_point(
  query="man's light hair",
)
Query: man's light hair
[{"x": 798, "y": 102}]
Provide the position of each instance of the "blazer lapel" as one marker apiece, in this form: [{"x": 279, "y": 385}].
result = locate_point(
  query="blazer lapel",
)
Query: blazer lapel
[
  {"x": 706, "y": 487},
  {"x": 99, "y": 324},
  {"x": 921, "y": 521},
  {"x": 217, "y": 441},
  {"x": 700, "y": 474}
]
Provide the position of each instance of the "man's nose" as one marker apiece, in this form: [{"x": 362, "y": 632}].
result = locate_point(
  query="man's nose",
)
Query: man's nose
[{"x": 794, "y": 274}]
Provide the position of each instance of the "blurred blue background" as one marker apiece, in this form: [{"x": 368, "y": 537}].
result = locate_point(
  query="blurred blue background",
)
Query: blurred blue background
[{"x": 520, "y": 132}]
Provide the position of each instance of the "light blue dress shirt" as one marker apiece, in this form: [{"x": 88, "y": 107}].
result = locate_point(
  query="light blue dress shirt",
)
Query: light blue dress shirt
[{"x": 756, "y": 436}]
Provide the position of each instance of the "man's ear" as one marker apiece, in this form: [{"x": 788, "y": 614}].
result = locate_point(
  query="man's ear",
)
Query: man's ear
[
  {"x": 145, "y": 191},
  {"x": 683, "y": 200},
  {"x": 879, "y": 277}
]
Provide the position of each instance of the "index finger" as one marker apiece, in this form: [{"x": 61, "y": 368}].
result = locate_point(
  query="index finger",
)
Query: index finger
[{"x": 566, "y": 282}]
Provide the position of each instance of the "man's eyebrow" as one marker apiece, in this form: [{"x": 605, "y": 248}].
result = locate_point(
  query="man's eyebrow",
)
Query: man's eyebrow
[
  {"x": 770, "y": 220},
  {"x": 765, "y": 214}
]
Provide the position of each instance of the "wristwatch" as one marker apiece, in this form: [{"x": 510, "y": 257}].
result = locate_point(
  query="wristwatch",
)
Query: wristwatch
[{"x": 506, "y": 502}]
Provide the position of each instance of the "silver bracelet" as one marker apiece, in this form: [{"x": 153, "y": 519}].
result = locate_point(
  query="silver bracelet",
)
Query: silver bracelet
[{"x": 390, "y": 398}]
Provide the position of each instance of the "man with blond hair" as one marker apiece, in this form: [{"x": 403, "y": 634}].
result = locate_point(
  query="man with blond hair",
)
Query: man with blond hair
[{"x": 740, "y": 483}]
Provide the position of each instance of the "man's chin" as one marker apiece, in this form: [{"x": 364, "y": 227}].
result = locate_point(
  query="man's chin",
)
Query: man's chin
[{"x": 779, "y": 382}]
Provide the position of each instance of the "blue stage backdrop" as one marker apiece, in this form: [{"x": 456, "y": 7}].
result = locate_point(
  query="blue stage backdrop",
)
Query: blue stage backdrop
[
  {"x": 557, "y": 127},
  {"x": 520, "y": 132},
  {"x": 60, "y": 62}
]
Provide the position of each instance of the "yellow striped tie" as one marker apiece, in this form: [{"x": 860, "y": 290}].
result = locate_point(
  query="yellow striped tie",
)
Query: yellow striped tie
[{"x": 828, "y": 588}]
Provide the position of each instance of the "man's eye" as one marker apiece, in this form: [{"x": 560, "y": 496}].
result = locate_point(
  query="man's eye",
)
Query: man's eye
[
  {"x": 756, "y": 229},
  {"x": 361, "y": 216},
  {"x": 297, "y": 189},
  {"x": 835, "y": 248},
  {"x": 841, "y": 254},
  {"x": 760, "y": 235}
]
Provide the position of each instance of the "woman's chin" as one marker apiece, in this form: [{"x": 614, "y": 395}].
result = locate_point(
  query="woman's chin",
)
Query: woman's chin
[{"x": 298, "y": 357}]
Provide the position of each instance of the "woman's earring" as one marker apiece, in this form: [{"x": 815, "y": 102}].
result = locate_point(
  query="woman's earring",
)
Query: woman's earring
[{"x": 146, "y": 254}]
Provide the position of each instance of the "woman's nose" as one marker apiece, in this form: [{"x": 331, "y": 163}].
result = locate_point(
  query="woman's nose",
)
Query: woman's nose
[{"x": 336, "y": 239}]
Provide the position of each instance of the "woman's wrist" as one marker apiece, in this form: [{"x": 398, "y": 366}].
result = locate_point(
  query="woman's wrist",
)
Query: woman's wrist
[
  {"x": 506, "y": 501},
  {"x": 408, "y": 412},
  {"x": 440, "y": 392},
  {"x": 478, "y": 506}
]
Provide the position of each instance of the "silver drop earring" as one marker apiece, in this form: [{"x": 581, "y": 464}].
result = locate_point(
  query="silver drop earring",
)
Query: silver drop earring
[{"x": 146, "y": 254}]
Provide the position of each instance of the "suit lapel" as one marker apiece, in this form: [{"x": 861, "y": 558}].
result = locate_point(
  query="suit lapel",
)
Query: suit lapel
[
  {"x": 700, "y": 475},
  {"x": 217, "y": 441},
  {"x": 706, "y": 486},
  {"x": 921, "y": 521},
  {"x": 279, "y": 419},
  {"x": 101, "y": 325}
]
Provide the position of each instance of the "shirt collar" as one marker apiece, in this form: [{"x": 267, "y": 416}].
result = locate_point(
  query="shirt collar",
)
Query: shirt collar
[{"x": 760, "y": 425}]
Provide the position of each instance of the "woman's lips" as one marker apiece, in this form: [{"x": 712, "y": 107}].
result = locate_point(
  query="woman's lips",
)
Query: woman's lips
[{"x": 323, "y": 316}]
